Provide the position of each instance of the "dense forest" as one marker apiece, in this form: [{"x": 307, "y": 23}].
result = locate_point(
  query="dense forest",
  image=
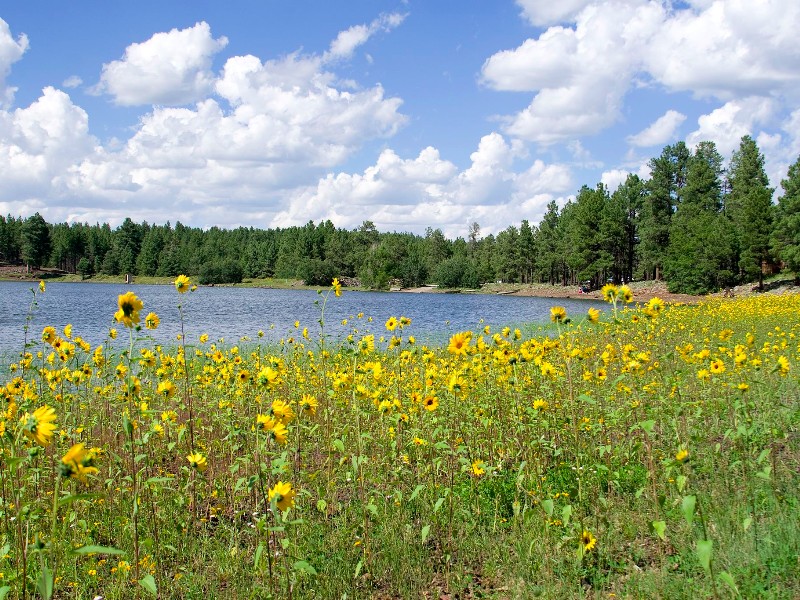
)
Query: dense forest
[{"x": 694, "y": 223}]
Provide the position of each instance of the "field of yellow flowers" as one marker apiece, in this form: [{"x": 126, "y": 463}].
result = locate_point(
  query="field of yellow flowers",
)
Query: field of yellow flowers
[{"x": 634, "y": 452}]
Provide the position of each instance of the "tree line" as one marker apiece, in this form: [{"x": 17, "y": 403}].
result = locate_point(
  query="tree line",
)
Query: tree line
[{"x": 693, "y": 223}]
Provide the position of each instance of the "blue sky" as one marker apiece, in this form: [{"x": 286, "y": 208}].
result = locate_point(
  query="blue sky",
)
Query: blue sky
[{"x": 407, "y": 113}]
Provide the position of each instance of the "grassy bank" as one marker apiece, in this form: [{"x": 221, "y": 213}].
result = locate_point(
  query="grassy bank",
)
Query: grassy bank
[{"x": 651, "y": 454}]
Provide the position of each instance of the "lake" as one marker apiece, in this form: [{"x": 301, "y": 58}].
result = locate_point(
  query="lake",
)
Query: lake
[{"x": 231, "y": 313}]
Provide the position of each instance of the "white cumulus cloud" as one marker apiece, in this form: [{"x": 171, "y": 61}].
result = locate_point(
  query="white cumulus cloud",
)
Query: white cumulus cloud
[
  {"x": 581, "y": 69},
  {"x": 412, "y": 194},
  {"x": 661, "y": 131},
  {"x": 726, "y": 125},
  {"x": 40, "y": 144},
  {"x": 170, "y": 68},
  {"x": 579, "y": 75},
  {"x": 11, "y": 51}
]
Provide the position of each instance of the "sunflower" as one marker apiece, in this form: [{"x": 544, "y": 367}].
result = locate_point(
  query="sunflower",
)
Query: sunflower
[
  {"x": 588, "y": 541},
  {"x": 558, "y": 314},
  {"x": 273, "y": 428},
  {"x": 151, "y": 321},
  {"x": 392, "y": 323},
  {"x": 783, "y": 365},
  {"x": 431, "y": 403},
  {"x": 337, "y": 287},
  {"x": 78, "y": 463},
  {"x": 198, "y": 461},
  {"x": 129, "y": 307},
  {"x": 367, "y": 344},
  {"x": 282, "y": 411},
  {"x": 166, "y": 388},
  {"x": 682, "y": 455},
  {"x": 593, "y": 314},
  {"x": 459, "y": 343},
  {"x": 626, "y": 294},
  {"x": 39, "y": 426},
  {"x": 182, "y": 284},
  {"x": 308, "y": 404},
  {"x": 717, "y": 367},
  {"x": 609, "y": 292},
  {"x": 283, "y": 494},
  {"x": 49, "y": 335}
]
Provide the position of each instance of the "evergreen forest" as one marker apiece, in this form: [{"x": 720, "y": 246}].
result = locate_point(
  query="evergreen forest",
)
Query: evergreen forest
[{"x": 697, "y": 223}]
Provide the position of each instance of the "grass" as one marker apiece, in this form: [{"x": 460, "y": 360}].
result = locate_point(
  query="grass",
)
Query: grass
[{"x": 651, "y": 454}]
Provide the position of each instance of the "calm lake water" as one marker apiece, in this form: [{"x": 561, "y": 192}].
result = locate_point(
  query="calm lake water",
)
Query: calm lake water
[{"x": 232, "y": 313}]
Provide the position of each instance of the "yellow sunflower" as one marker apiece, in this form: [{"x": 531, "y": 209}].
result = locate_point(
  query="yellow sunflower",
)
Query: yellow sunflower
[
  {"x": 182, "y": 284},
  {"x": 129, "y": 307},
  {"x": 39, "y": 426},
  {"x": 283, "y": 495}
]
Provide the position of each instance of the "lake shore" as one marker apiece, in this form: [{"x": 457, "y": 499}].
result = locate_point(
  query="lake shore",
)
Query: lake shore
[{"x": 642, "y": 290}]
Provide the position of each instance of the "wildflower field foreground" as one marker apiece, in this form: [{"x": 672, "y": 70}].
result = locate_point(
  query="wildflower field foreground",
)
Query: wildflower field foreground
[{"x": 636, "y": 452}]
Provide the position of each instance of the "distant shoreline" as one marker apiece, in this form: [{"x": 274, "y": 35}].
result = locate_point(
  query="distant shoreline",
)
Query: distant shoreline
[{"x": 643, "y": 291}]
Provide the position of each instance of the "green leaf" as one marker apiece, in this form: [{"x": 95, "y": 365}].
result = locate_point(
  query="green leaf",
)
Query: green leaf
[
  {"x": 566, "y": 513},
  {"x": 91, "y": 549},
  {"x": 547, "y": 505},
  {"x": 687, "y": 507},
  {"x": 765, "y": 473},
  {"x": 680, "y": 481},
  {"x": 322, "y": 505},
  {"x": 148, "y": 582},
  {"x": 424, "y": 533},
  {"x": 127, "y": 425},
  {"x": 648, "y": 426},
  {"x": 660, "y": 527},
  {"x": 728, "y": 580},
  {"x": 257, "y": 558},
  {"x": 4, "y": 591},
  {"x": 438, "y": 504},
  {"x": 416, "y": 492},
  {"x": 304, "y": 567},
  {"x": 339, "y": 445},
  {"x": 764, "y": 454},
  {"x": 155, "y": 480},
  {"x": 358, "y": 569},
  {"x": 746, "y": 523},
  {"x": 45, "y": 583},
  {"x": 704, "y": 551}
]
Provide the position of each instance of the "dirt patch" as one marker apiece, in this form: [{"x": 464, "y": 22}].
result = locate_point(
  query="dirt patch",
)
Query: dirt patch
[{"x": 642, "y": 292}]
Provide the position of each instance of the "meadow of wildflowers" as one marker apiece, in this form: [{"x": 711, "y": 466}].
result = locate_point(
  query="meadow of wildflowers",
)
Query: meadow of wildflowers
[{"x": 647, "y": 451}]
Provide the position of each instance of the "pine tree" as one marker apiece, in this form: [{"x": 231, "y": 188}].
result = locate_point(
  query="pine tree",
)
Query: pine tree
[
  {"x": 667, "y": 178},
  {"x": 749, "y": 206},
  {"x": 548, "y": 259},
  {"x": 700, "y": 234},
  {"x": 786, "y": 237},
  {"x": 36, "y": 244}
]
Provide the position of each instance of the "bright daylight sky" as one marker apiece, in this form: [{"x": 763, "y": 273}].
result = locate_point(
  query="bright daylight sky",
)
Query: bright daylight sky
[{"x": 416, "y": 113}]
